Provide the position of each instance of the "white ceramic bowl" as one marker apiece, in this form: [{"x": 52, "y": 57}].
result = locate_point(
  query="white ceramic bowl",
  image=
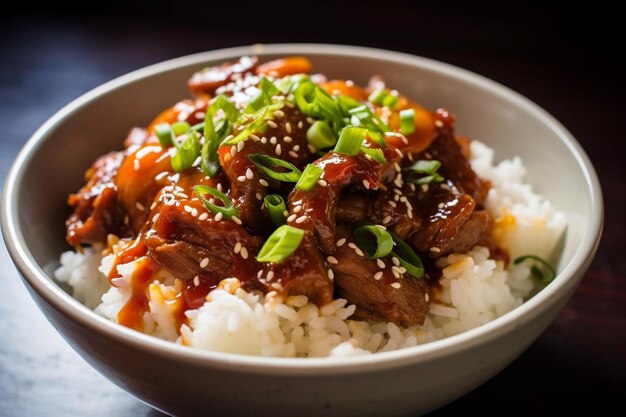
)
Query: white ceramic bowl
[{"x": 184, "y": 381}]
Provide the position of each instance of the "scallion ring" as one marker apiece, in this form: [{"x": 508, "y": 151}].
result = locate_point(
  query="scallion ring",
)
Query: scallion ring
[
  {"x": 309, "y": 177},
  {"x": 282, "y": 243},
  {"x": 350, "y": 140},
  {"x": 375, "y": 153},
  {"x": 268, "y": 165},
  {"x": 535, "y": 271},
  {"x": 375, "y": 241},
  {"x": 407, "y": 121},
  {"x": 276, "y": 208},
  {"x": 228, "y": 209},
  {"x": 320, "y": 135},
  {"x": 187, "y": 153},
  {"x": 163, "y": 132},
  {"x": 407, "y": 257}
]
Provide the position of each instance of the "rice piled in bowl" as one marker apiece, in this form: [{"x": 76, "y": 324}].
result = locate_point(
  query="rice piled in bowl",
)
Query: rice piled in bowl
[{"x": 474, "y": 289}]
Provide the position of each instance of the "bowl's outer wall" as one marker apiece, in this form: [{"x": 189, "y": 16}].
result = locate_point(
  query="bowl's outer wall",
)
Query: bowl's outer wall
[{"x": 55, "y": 169}]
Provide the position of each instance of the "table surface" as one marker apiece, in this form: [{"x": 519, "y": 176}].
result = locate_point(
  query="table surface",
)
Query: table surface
[{"x": 579, "y": 362}]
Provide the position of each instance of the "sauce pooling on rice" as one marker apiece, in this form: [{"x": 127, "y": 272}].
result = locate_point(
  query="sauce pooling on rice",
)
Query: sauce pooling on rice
[{"x": 292, "y": 183}]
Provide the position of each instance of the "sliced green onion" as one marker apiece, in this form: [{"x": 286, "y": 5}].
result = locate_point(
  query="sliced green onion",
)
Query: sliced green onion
[
  {"x": 282, "y": 243},
  {"x": 228, "y": 209},
  {"x": 304, "y": 96},
  {"x": 350, "y": 140},
  {"x": 309, "y": 177},
  {"x": 382, "y": 246},
  {"x": 407, "y": 257},
  {"x": 407, "y": 121},
  {"x": 267, "y": 90},
  {"x": 375, "y": 153},
  {"x": 320, "y": 135},
  {"x": 347, "y": 103},
  {"x": 187, "y": 153},
  {"x": 378, "y": 96},
  {"x": 428, "y": 167},
  {"x": 542, "y": 277},
  {"x": 214, "y": 134},
  {"x": 257, "y": 125},
  {"x": 268, "y": 165},
  {"x": 390, "y": 101},
  {"x": 327, "y": 107},
  {"x": 276, "y": 208},
  {"x": 180, "y": 128},
  {"x": 378, "y": 138},
  {"x": 367, "y": 118},
  {"x": 163, "y": 132}
]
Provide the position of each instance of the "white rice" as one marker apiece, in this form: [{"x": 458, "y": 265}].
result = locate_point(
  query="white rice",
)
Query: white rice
[{"x": 474, "y": 289}]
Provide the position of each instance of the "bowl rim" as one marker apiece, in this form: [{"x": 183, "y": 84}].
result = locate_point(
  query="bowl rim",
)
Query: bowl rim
[{"x": 54, "y": 295}]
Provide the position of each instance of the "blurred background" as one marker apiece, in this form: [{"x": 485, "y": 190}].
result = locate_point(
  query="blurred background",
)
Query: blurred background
[{"x": 566, "y": 59}]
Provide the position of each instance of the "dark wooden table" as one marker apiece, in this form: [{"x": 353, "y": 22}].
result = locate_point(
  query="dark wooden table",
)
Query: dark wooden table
[{"x": 580, "y": 361}]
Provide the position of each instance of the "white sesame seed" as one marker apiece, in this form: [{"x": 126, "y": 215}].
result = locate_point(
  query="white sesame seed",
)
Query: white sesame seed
[
  {"x": 396, "y": 166},
  {"x": 300, "y": 219},
  {"x": 140, "y": 206},
  {"x": 403, "y": 199},
  {"x": 441, "y": 205},
  {"x": 204, "y": 263},
  {"x": 378, "y": 275},
  {"x": 412, "y": 186},
  {"x": 240, "y": 146},
  {"x": 409, "y": 213},
  {"x": 287, "y": 128},
  {"x": 300, "y": 124},
  {"x": 396, "y": 285},
  {"x": 387, "y": 219},
  {"x": 241, "y": 178},
  {"x": 411, "y": 158},
  {"x": 264, "y": 140},
  {"x": 270, "y": 275},
  {"x": 398, "y": 269},
  {"x": 196, "y": 280},
  {"x": 259, "y": 196},
  {"x": 310, "y": 120},
  {"x": 392, "y": 203},
  {"x": 273, "y": 140},
  {"x": 272, "y": 124},
  {"x": 136, "y": 164},
  {"x": 395, "y": 273},
  {"x": 332, "y": 260},
  {"x": 380, "y": 263},
  {"x": 218, "y": 217},
  {"x": 426, "y": 297},
  {"x": 395, "y": 261},
  {"x": 237, "y": 247},
  {"x": 278, "y": 150},
  {"x": 203, "y": 216},
  {"x": 396, "y": 197},
  {"x": 340, "y": 242},
  {"x": 244, "y": 253},
  {"x": 435, "y": 249},
  {"x": 279, "y": 113},
  {"x": 399, "y": 152},
  {"x": 249, "y": 174},
  {"x": 258, "y": 274},
  {"x": 322, "y": 183},
  {"x": 253, "y": 137},
  {"x": 236, "y": 220},
  {"x": 291, "y": 218},
  {"x": 219, "y": 186},
  {"x": 311, "y": 148},
  {"x": 233, "y": 150},
  {"x": 359, "y": 252},
  {"x": 424, "y": 187},
  {"x": 438, "y": 123},
  {"x": 293, "y": 154},
  {"x": 194, "y": 212},
  {"x": 366, "y": 184},
  {"x": 331, "y": 274},
  {"x": 351, "y": 245},
  {"x": 155, "y": 217},
  {"x": 187, "y": 209},
  {"x": 263, "y": 183}
]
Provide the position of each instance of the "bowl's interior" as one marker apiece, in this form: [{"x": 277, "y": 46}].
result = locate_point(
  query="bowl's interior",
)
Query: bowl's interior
[{"x": 509, "y": 124}]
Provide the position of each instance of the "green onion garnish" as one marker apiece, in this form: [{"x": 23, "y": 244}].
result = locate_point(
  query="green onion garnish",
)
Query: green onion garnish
[
  {"x": 347, "y": 103},
  {"x": 368, "y": 119},
  {"x": 163, "y": 132},
  {"x": 187, "y": 153},
  {"x": 407, "y": 257},
  {"x": 378, "y": 96},
  {"x": 282, "y": 243},
  {"x": 375, "y": 153},
  {"x": 276, "y": 208},
  {"x": 304, "y": 96},
  {"x": 268, "y": 165},
  {"x": 390, "y": 101},
  {"x": 309, "y": 177},
  {"x": 428, "y": 167},
  {"x": 382, "y": 246},
  {"x": 214, "y": 134},
  {"x": 320, "y": 135},
  {"x": 544, "y": 277},
  {"x": 268, "y": 89},
  {"x": 228, "y": 209},
  {"x": 350, "y": 140},
  {"x": 180, "y": 128},
  {"x": 407, "y": 121},
  {"x": 258, "y": 123}
]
